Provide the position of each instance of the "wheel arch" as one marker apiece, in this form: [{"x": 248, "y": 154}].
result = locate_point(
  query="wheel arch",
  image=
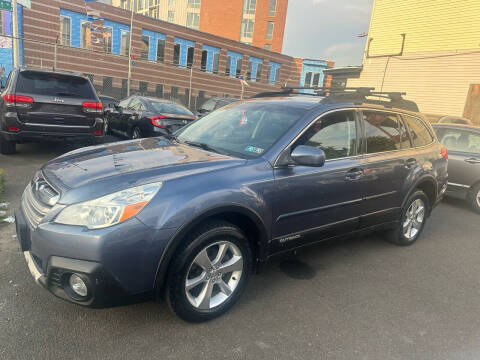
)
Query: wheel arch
[
  {"x": 245, "y": 218},
  {"x": 428, "y": 185}
]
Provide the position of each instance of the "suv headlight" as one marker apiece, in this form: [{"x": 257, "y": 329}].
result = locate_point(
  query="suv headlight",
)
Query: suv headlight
[{"x": 110, "y": 209}]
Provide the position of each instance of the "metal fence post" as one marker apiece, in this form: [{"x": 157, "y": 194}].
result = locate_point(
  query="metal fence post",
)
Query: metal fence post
[
  {"x": 190, "y": 86},
  {"x": 55, "y": 55}
]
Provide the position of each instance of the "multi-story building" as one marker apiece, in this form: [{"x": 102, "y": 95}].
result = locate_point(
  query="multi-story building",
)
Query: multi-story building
[
  {"x": 259, "y": 23},
  {"x": 429, "y": 49},
  {"x": 167, "y": 60}
]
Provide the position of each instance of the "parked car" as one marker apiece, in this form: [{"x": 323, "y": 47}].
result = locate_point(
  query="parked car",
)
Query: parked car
[
  {"x": 454, "y": 120},
  {"x": 108, "y": 101},
  {"x": 213, "y": 104},
  {"x": 193, "y": 214},
  {"x": 463, "y": 144},
  {"x": 137, "y": 116},
  {"x": 40, "y": 105}
]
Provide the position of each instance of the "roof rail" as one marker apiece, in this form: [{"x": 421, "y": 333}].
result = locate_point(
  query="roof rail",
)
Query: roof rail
[{"x": 349, "y": 94}]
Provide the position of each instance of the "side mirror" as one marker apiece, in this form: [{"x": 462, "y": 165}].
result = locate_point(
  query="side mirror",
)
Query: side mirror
[{"x": 308, "y": 156}]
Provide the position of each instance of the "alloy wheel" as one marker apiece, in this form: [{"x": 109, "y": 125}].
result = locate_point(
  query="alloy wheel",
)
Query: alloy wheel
[
  {"x": 213, "y": 275},
  {"x": 414, "y": 219},
  {"x": 478, "y": 198}
]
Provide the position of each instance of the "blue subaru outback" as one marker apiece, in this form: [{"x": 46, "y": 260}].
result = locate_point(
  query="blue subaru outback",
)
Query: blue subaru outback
[{"x": 191, "y": 216}]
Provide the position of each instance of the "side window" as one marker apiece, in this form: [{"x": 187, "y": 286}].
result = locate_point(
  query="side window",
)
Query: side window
[
  {"x": 461, "y": 141},
  {"x": 335, "y": 134},
  {"x": 383, "y": 132},
  {"x": 209, "y": 105},
  {"x": 136, "y": 104},
  {"x": 418, "y": 131},
  {"x": 124, "y": 103}
]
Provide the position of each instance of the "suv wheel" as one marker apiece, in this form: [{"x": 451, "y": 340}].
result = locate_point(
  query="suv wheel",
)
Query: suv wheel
[
  {"x": 136, "y": 133},
  {"x": 210, "y": 272},
  {"x": 474, "y": 197},
  {"x": 106, "y": 128},
  {"x": 414, "y": 216},
  {"x": 7, "y": 147}
]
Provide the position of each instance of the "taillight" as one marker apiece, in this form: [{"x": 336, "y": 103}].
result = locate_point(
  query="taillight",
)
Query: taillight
[
  {"x": 444, "y": 153},
  {"x": 91, "y": 106},
  {"x": 13, "y": 128},
  {"x": 157, "y": 121},
  {"x": 97, "y": 132},
  {"x": 20, "y": 100}
]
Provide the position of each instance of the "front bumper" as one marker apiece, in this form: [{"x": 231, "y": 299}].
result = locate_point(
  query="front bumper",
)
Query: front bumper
[{"x": 115, "y": 262}]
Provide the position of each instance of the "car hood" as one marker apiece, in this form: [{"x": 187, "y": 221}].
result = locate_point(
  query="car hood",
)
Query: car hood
[{"x": 135, "y": 161}]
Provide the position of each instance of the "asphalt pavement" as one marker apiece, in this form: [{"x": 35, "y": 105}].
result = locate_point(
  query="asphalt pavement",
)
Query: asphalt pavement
[{"x": 360, "y": 298}]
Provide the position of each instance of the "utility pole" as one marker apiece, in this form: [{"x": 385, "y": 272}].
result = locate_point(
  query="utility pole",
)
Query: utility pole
[
  {"x": 132, "y": 4},
  {"x": 190, "y": 86},
  {"x": 16, "y": 46}
]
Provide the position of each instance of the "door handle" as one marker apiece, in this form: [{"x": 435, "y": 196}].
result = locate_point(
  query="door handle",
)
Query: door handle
[
  {"x": 410, "y": 163},
  {"x": 473, "y": 161},
  {"x": 355, "y": 174}
]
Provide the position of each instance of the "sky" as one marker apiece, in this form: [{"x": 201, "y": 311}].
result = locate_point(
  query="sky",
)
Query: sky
[{"x": 327, "y": 30}]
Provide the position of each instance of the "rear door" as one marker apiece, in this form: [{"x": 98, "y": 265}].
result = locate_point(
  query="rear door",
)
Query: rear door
[
  {"x": 463, "y": 156},
  {"x": 388, "y": 161},
  {"x": 58, "y": 99}
]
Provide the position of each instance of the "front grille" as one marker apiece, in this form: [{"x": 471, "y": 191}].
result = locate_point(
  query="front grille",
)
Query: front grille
[{"x": 37, "y": 200}]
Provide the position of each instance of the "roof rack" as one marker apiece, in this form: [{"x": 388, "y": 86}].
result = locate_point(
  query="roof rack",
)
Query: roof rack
[{"x": 349, "y": 94}]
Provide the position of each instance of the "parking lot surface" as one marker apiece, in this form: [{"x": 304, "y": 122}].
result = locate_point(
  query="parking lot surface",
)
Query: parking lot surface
[{"x": 360, "y": 298}]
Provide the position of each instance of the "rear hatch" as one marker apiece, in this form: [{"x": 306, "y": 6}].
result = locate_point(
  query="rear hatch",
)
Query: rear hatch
[{"x": 58, "y": 99}]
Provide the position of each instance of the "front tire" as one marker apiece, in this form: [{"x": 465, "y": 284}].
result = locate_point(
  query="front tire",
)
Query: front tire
[
  {"x": 136, "y": 133},
  {"x": 7, "y": 147},
  {"x": 209, "y": 272},
  {"x": 474, "y": 197},
  {"x": 414, "y": 216}
]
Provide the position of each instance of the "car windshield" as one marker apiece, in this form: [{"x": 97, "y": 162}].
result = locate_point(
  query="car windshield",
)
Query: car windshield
[
  {"x": 168, "y": 108},
  {"x": 245, "y": 130}
]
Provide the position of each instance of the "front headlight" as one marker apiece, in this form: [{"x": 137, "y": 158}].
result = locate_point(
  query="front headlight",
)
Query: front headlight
[{"x": 109, "y": 209}]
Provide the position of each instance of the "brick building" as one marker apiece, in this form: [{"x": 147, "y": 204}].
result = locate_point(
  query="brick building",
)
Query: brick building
[
  {"x": 168, "y": 59},
  {"x": 260, "y": 23}
]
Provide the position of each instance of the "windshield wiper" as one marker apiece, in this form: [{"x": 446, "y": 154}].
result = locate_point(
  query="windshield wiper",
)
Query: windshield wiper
[{"x": 201, "y": 145}]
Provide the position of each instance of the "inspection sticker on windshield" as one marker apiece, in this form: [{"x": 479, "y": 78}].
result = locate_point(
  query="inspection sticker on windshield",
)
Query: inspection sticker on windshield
[{"x": 254, "y": 149}]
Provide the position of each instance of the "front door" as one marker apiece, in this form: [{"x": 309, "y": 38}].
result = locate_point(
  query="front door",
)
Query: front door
[{"x": 315, "y": 203}]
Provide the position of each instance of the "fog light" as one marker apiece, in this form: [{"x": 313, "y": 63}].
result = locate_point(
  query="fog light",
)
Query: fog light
[{"x": 78, "y": 285}]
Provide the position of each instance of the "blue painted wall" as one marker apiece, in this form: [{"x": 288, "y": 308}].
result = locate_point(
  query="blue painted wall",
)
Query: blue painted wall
[
  {"x": 153, "y": 44},
  {"x": 211, "y": 51},
  {"x": 6, "y": 54},
  {"x": 313, "y": 66},
  {"x": 184, "y": 45}
]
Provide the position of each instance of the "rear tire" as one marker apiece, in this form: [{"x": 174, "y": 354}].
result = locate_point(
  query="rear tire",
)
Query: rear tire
[
  {"x": 7, "y": 147},
  {"x": 412, "y": 221},
  {"x": 474, "y": 198},
  {"x": 200, "y": 287},
  {"x": 136, "y": 133}
]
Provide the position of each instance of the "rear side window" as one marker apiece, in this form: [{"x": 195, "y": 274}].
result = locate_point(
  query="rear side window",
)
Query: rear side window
[
  {"x": 32, "y": 82},
  {"x": 384, "y": 132},
  {"x": 209, "y": 105},
  {"x": 419, "y": 132},
  {"x": 335, "y": 134},
  {"x": 168, "y": 108}
]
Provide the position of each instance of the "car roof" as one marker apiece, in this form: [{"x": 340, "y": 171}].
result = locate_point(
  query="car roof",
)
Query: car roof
[
  {"x": 40, "y": 70},
  {"x": 457, "y": 126}
]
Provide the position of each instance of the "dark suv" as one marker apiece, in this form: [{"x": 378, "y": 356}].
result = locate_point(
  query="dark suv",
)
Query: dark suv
[
  {"x": 192, "y": 215},
  {"x": 39, "y": 105}
]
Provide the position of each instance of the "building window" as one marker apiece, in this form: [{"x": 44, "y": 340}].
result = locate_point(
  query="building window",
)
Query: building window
[
  {"x": 268, "y": 47},
  {"x": 143, "y": 87},
  {"x": 85, "y": 35},
  {"x": 274, "y": 72},
  {"x": 160, "y": 50},
  {"x": 125, "y": 42},
  {"x": 190, "y": 53},
  {"x": 145, "y": 47},
  {"x": 216, "y": 62},
  {"x": 107, "y": 39},
  {"x": 107, "y": 84},
  {"x": 203, "y": 64},
  {"x": 249, "y": 6},
  {"x": 193, "y": 20},
  {"x": 228, "y": 65},
  {"x": 65, "y": 30},
  {"x": 269, "y": 35},
  {"x": 259, "y": 72},
  {"x": 239, "y": 68},
  {"x": 176, "y": 54},
  {"x": 194, "y": 4},
  {"x": 308, "y": 78},
  {"x": 140, "y": 5},
  {"x": 316, "y": 79},
  {"x": 159, "y": 91},
  {"x": 247, "y": 28},
  {"x": 272, "y": 9},
  {"x": 171, "y": 16},
  {"x": 174, "y": 92},
  {"x": 171, "y": 2}
]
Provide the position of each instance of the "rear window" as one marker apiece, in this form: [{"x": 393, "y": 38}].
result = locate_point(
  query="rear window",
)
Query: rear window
[
  {"x": 168, "y": 108},
  {"x": 32, "y": 82}
]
